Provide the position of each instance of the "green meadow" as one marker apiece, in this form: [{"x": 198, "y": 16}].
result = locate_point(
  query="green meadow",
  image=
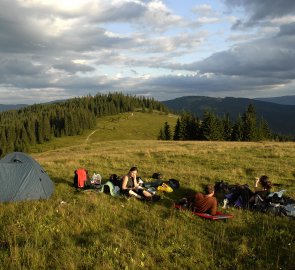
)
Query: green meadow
[{"x": 91, "y": 230}]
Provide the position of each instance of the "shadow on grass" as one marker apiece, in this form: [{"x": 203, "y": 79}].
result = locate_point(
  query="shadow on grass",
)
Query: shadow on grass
[
  {"x": 168, "y": 199},
  {"x": 58, "y": 180},
  {"x": 86, "y": 238}
]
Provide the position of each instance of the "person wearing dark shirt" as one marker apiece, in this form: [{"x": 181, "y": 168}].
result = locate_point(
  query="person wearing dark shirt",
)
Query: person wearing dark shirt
[
  {"x": 131, "y": 187},
  {"x": 205, "y": 203},
  {"x": 262, "y": 188},
  {"x": 243, "y": 197}
]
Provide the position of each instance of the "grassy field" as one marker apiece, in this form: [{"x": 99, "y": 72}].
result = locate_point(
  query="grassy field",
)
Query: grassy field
[
  {"x": 125, "y": 126},
  {"x": 91, "y": 230}
]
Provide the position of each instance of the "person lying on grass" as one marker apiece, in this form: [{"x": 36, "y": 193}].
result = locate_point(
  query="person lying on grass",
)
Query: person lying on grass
[
  {"x": 131, "y": 187},
  {"x": 205, "y": 203},
  {"x": 243, "y": 197}
]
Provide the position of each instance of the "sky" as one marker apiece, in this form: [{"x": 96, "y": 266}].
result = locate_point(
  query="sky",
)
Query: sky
[{"x": 59, "y": 49}]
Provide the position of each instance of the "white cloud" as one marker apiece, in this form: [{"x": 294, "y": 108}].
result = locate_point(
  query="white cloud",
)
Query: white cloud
[
  {"x": 203, "y": 9},
  {"x": 206, "y": 20},
  {"x": 153, "y": 47}
]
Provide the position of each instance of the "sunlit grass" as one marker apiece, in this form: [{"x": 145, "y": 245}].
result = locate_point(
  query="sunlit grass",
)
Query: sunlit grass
[{"x": 90, "y": 230}]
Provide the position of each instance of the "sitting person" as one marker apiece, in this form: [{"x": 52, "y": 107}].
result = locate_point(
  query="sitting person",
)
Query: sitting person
[
  {"x": 262, "y": 188},
  {"x": 205, "y": 203},
  {"x": 131, "y": 187}
]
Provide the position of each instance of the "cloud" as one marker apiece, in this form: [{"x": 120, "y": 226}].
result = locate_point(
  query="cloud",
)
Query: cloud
[
  {"x": 73, "y": 68},
  {"x": 287, "y": 30},
  {"x": 77, "y": 47},
  {"x": 257, "y": 10},
  {"x": 203, "y": 10},
  {"x": 262, "y": 58}
]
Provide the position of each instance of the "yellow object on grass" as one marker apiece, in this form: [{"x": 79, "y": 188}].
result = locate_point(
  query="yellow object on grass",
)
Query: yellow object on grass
[{"x": 165, "y": 188}]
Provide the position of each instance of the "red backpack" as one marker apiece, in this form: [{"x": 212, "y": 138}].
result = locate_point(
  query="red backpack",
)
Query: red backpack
[{"x": 80, "y": 178}]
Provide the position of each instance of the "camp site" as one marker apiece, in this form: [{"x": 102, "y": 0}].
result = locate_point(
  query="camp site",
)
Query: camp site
[
  {"x": 147, "y": 134},
  {"x": 66, "y": 227}
]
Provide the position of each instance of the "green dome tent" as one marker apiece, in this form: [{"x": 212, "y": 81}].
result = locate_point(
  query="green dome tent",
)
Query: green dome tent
[{"x": 22, "y": 178}]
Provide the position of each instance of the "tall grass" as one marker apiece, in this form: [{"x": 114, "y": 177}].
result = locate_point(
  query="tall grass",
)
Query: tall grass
[{"x": 90, "y": 230}]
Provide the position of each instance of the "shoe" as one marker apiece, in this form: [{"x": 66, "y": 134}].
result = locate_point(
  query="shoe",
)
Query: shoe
[{"x": 225, "y": 203}]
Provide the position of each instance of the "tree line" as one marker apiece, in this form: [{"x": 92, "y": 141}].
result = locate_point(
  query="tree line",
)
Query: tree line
[
  {"x": 36, "y": 124},
  {"x": 213, "y": 128}
]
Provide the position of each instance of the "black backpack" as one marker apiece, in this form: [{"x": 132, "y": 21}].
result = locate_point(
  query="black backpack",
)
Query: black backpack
[
  {"x": 157, "y": 176},
  {"x": 116, "y": 180},
  {"x": 173, "y": 183}
]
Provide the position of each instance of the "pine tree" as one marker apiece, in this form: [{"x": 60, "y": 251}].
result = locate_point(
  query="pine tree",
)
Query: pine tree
[
  {"x": 10, "y": 137},
  {"x": 193, "y": 128},
  {"x": 3, "y": 142},
  {"x": 39, "y": 131},
  {"x": 227, "y": 128},
  {"x": 30, "y": 128},
  {"x": 264, "y": 131},
  {"x": 161, "y": 135},
  {"x": 46, "y": 130},
  {"x": 211, "y": 127},
  {"x": 40, "y": 122},
  {"x": 237, "y": 132},
  {"x": 249, "y": 124},
  {"x": 187, "y": 127},
  {"x": 167, "y": 132},
  {"x": 177, "y": 131}
]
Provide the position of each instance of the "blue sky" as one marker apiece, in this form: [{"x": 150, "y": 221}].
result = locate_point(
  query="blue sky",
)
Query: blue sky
[{"x": 58, "y": 49}]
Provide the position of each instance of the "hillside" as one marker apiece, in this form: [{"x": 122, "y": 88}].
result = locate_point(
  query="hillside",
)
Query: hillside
[
  {"x": 105, "y": 232},
  {"x": 25, "y": 128},
  {"x": 279, "y": 117},
  {"x": 124, "y": 126},
  {"x": 284, "y": 100}
]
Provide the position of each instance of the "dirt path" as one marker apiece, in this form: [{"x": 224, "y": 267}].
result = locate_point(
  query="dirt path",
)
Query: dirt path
[
  {"x": 86, "y": 140},
  {"x": 119, "y": 119}
]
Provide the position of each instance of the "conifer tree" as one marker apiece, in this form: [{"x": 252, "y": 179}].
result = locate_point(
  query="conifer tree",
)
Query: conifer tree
[
  {"x": 249, "y": 124},
  {"x": 42, "y": 121},
  {"x": 177, "y": 131},
  {"x": 167, "y": 131},
  {"x": 30, "y": 128},
  {"x": 264, "y": 131},
  {"x": 3, "y": 142},
  {"x": 185, "y": 128},
  {"x": 227, "y": 128},
  {"x": 39, "y": 131},
  {"x": 193, "y": 128},
  {"x": 211, "y": 127},
  {"x": 46, "y": 130},
  {"x": 237, "y": 132},
  {"x": 161, "y": 135}
]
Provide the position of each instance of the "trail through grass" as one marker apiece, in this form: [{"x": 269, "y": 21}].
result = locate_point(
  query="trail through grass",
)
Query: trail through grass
[{"x": 90, "y": 230}]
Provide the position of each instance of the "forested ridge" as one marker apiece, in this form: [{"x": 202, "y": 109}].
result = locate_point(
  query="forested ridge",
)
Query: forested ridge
[
  {"x": 213, "y": 128},
  {"x": 23, "y": 128}
]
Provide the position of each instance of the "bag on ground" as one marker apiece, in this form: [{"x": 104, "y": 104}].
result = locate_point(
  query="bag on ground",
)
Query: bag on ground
[{"x": 80, "y": 178}]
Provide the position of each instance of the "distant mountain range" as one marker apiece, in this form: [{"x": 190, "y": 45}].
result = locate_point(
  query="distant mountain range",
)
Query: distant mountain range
[
  {"x": 279, "y": 117},
  {"x": 7, "y": 107},
  {"x": 284, "y": 100},
  {"x": 279, "y": 112}
]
